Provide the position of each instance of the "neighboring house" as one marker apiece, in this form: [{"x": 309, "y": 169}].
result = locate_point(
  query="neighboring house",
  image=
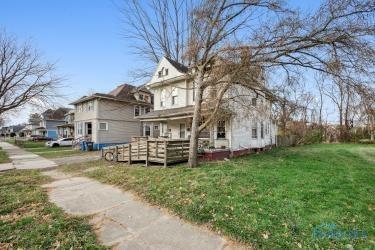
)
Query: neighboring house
[
  {"x": 50, "y": 119},
  {"x": 67, "y": 130},
  {"x": 173, "y": 111},
  {"x": 14, "y": 130},
  {"x": 29, "y": 129},
  {"x": 108, "y": 119}
]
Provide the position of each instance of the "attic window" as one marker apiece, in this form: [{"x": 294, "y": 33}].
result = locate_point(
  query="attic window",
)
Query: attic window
[
  {"x": 162, "y": 72},
  {"x": 140, "y": 97}
]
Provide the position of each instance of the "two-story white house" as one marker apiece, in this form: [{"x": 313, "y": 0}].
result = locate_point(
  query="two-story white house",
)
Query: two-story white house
[
  {"x": 243, "y": 129},
  {"x": 108, "y": 119}
]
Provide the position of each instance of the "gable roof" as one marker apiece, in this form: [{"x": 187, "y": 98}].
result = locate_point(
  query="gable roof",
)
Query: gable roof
[
  {"x": 123, "y": 92},
  {"x": 180, "y": 67},
  {"x": 55, "y": 114}
]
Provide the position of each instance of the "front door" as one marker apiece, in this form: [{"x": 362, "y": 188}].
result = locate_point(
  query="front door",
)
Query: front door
[{"x": 156, "y": 130}]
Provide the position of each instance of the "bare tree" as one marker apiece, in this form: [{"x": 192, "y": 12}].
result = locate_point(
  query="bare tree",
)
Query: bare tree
[
  {"x": 158, "y": 27},
  {"x": 319, "y": 83},
  {"x": 367, "y": 106},
  {"x": 24, "y": 77},
  {"x": 232, "y": 43}
]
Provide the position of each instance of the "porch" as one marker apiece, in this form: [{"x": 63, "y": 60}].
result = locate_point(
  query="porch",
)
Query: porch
[
  {"x": 175, "y": 124},
  {"x": 65, "y": 130},
  {"x": 42, "y": 131}
]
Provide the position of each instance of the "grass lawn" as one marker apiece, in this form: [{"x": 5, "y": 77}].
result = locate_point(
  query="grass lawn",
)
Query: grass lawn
[
  {"x": 55, "y": 152},
  {"x": 29, "y": 221},
  {"x": 3, "y": 156},
  {"x": 280, "y": 199},
  {"x": 39, "y": 148}
]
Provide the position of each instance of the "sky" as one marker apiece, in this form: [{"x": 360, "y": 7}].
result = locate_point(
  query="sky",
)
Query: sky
[{"x": 84, "y": 38}]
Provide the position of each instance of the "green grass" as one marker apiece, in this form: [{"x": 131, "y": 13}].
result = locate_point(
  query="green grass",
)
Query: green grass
[
  {"x": 29, "y": 221},
  {"x": 39, "y": 148},
  {"x": 4, "y": 156},
  {"x": 271, "y": 200},
  {"x": 55, "y": 152}
]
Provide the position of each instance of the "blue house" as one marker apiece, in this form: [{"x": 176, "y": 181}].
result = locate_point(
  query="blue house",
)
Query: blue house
[{"x": 50, "y": 121}]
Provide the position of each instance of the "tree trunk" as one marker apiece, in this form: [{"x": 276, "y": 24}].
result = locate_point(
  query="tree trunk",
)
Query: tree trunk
[{"x": 193, "y": 151}]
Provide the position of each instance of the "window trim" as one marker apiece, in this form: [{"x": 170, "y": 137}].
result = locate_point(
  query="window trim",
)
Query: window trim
[{"x": 106, "y": 126}]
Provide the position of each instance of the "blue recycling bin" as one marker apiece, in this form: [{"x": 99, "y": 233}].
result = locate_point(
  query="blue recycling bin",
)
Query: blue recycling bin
[{"x": 83, "y": 146}]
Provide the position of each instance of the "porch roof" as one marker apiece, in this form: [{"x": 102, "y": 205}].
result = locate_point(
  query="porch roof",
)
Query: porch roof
[
  {"x": 69, "y": 125},
  {"x": 40, "y": 128},
  {"x": 164, "y": 114}
]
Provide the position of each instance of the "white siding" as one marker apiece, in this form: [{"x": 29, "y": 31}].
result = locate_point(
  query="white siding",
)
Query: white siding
[
  {"x": 245, "y": 116},
  {"x": 172, "y": 72}
]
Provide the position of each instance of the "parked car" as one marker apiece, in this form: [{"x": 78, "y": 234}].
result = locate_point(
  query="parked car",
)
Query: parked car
[
  {"x": 63, "y": 142},
  {"x": 39, "y": 138}
]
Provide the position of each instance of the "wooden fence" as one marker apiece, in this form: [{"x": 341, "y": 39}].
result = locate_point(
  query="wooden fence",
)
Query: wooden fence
[{"x": 148, "y": 150}]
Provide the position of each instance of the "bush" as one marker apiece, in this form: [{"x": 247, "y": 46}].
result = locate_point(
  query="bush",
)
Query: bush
[
  {"x": 312, "y": 137},
  {"x": 366, "y": 141}
]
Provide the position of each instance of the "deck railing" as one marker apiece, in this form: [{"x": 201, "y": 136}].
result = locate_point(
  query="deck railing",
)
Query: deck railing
[{"x": 149, "y": 150}]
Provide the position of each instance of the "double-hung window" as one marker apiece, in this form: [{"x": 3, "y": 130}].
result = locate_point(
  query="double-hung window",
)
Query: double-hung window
[
  {"x": 136, "y": 111},
  {"x": 221, "y": 129},
  {"x": 254, "y": 131},
  {"x": 147, "y": 130},
  {"x": 162, "y": 98},
  {"x": 103, "y": 126},
  {"x": 254, "y": 101},
  {"x": 174, "y": 96}
]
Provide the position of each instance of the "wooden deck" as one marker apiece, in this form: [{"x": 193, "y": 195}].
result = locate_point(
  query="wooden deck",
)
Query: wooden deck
[{"x": 149, "y": 150}]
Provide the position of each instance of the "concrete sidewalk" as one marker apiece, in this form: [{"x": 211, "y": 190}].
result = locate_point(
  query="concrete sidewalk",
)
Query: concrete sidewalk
[
  {"x": 21, "y": 159},
  {"x": 122, "y": 221}
]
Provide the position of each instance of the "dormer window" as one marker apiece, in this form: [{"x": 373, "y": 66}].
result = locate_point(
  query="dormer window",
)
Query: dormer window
[{"x": 141, "y": 97}]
